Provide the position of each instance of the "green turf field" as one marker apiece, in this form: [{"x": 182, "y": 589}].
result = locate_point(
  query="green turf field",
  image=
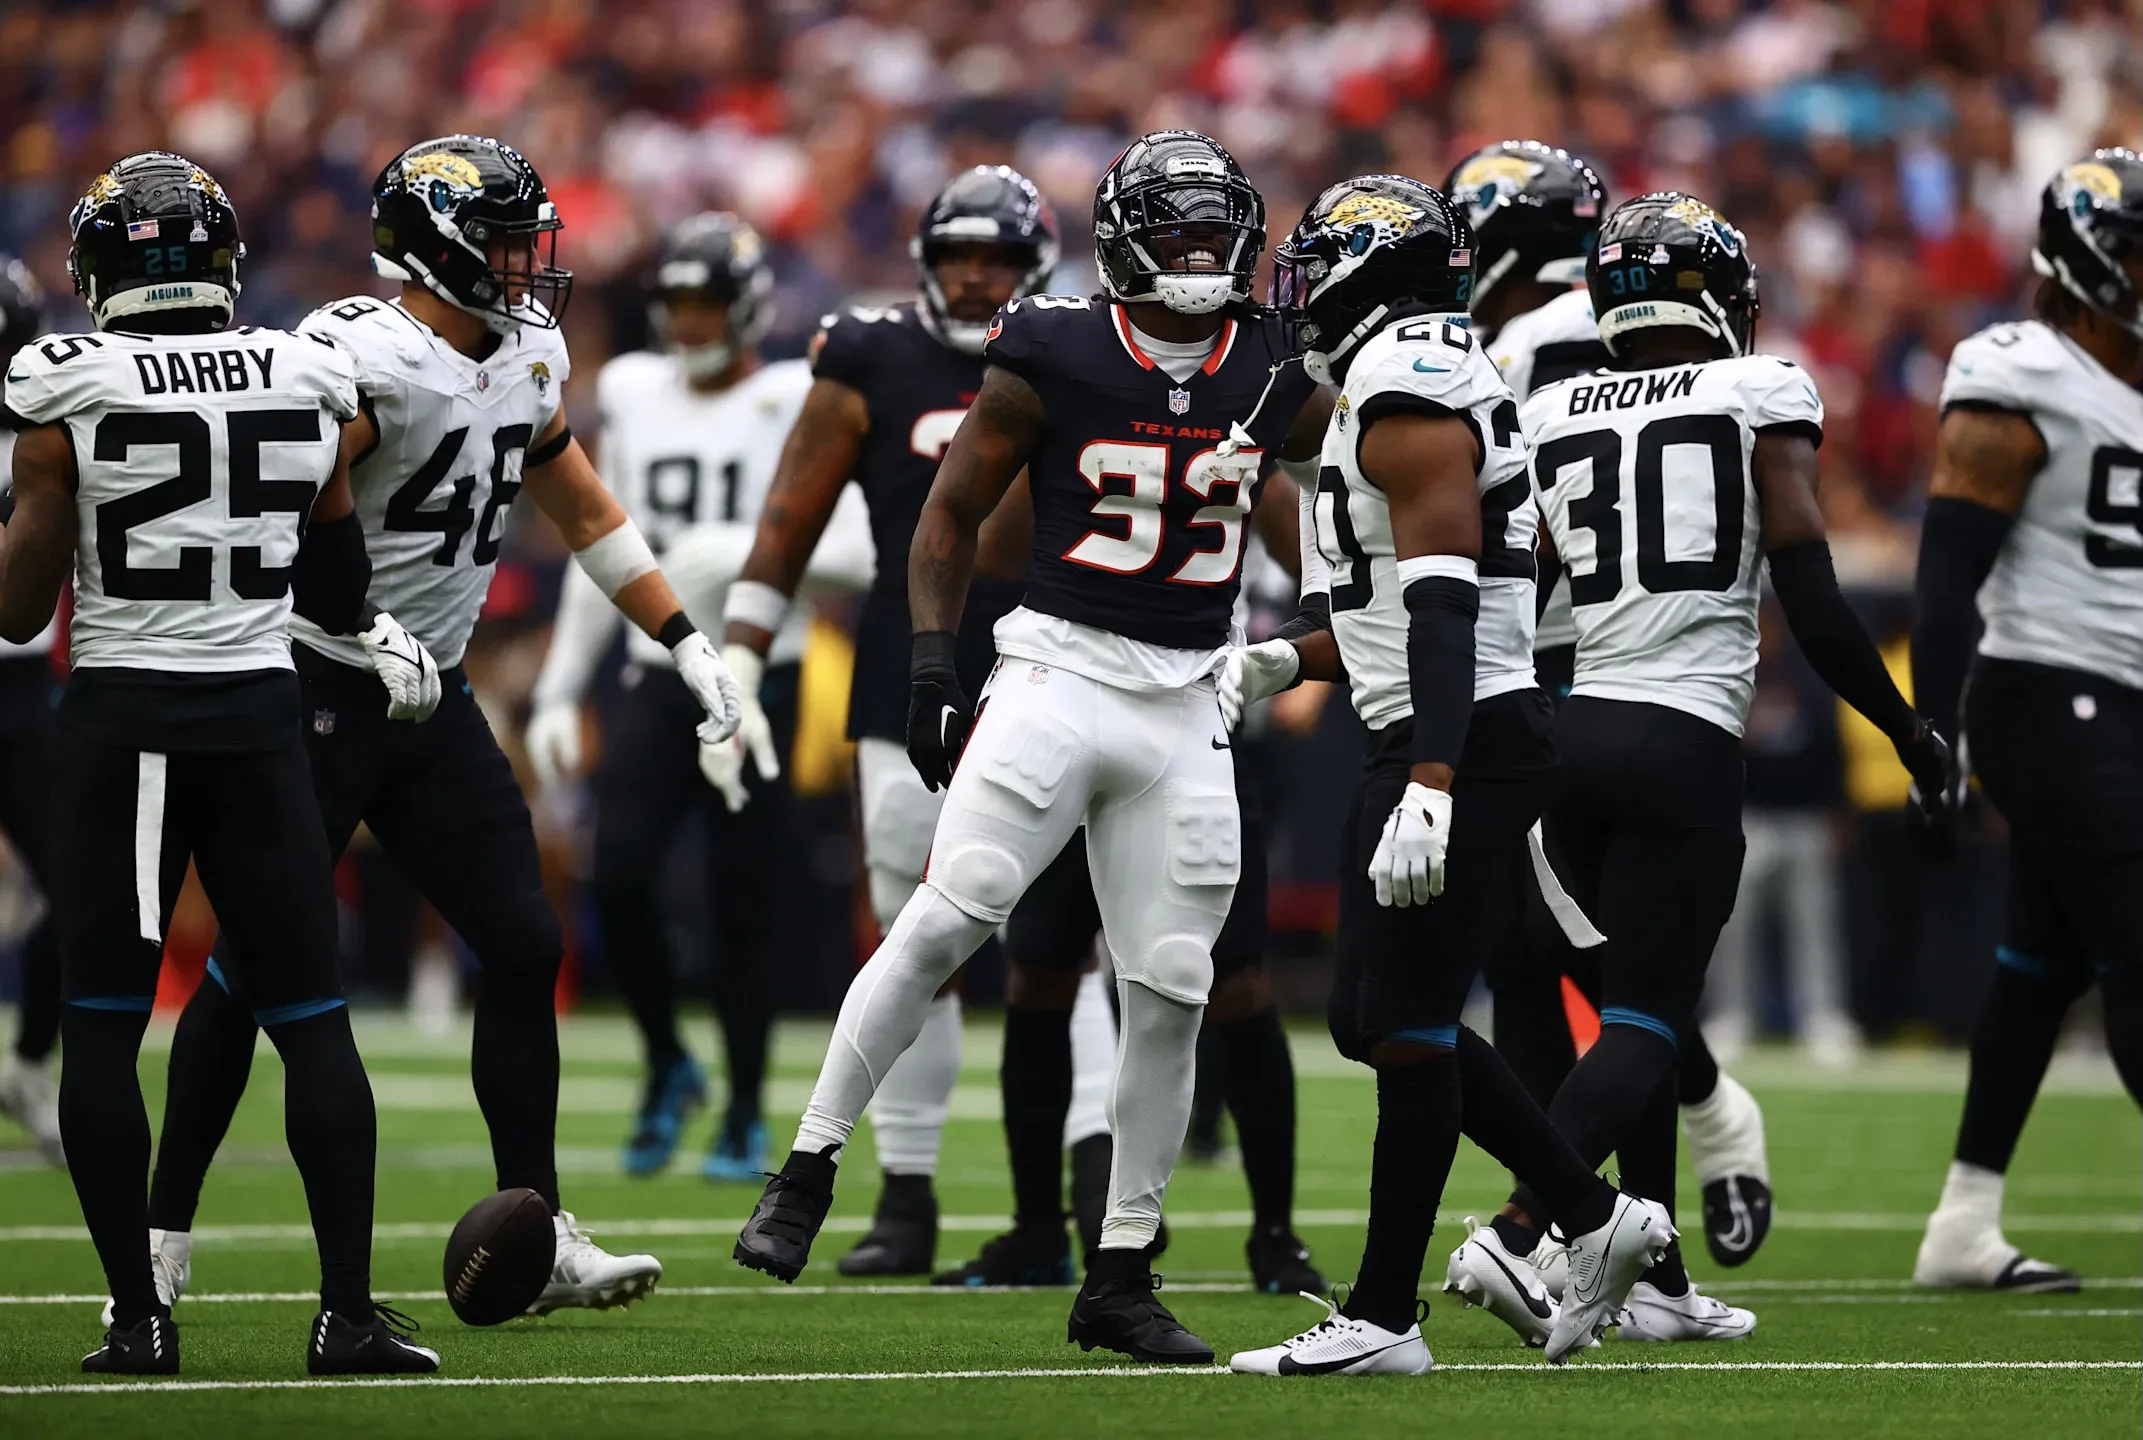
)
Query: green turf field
[{"x": 1844, "y": 1345}]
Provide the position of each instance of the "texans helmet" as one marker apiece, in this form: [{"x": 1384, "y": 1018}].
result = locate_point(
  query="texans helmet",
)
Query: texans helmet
[
  {"x": 719, "y": 257},
  {"x": 1669, "y": 259},
  {"x": 1534, "y": 210},
  {"x": 2090, "y": 229},
  {"x": 22, "y": 307},
  {"x": 440, "y": 204},
  {"x": 988, "y": 205},
  {"x": 1368, "y": 251},
  {"x": 155, "y": 235},
  {"x": 1176, "y": 220}
]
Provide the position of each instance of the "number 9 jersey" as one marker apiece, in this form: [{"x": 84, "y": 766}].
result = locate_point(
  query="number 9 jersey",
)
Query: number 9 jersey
[
  {"x": 2067, "y": 588},
  {"x": 1645, "y": 485}
]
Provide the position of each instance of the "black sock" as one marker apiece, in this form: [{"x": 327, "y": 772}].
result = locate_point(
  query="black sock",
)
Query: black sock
[
  {"x": 1700, "y": 1070},
  {"x": 1036, "y": 1076},
  {"x": 513, "y": 1067},
  {"x": 2122, "y": 994},
  {"x": 1669, "y": 1276},
  {"x": 745, "y": 1012},
  {"x": 38, "y": 1024},
  {"x": 1091, "y": 1160},
  {"x": 106, "y": 1130},
  {"x": 1259, "y": 1075},
  {"x": 816, "y": 1170},
  {"x": 2011, "y": 1047},
  {"x": 1419, "y": 1110},
  {"x": 638, "y": 950},
  {"x": 1501, "y": 1118},
  {"x": 211, "y": 1058},
  {"x": 1117, "y": 1267},
  {"x": 1647, "y": 1154},
  {"x": 1601, "y": 1103},
  {"x": 1208, "y": 1094},
  {"x": 1532, "y": 1031},
  {"x": 333, "y": 1133}
]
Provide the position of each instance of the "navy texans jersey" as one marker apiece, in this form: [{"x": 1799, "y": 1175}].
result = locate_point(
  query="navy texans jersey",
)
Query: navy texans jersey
[
  {"x": 1138, "y": 517},
  {"x": 916, "y": 389}
]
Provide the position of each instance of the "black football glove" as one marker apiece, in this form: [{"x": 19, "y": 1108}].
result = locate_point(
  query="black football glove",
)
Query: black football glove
[
  {"x": 1936, "y": 800},
  {"x": 939, "y": 714}
]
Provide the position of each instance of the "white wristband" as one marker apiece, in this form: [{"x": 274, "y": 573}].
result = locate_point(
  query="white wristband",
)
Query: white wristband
[
  {"x": 755, "y": 603},
  {"x": 1449, "y": 567},
  {"x": 616, "y": 560}
]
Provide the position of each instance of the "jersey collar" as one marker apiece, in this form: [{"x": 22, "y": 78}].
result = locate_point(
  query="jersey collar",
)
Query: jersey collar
[{"x": 1121, "y": 322}]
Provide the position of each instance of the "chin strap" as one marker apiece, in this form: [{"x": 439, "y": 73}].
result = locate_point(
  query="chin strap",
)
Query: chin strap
[{"x": 1239, "y": 436}]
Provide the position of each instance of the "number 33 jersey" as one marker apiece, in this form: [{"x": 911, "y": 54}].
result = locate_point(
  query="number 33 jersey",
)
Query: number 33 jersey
[
  {"x": 1429, "y": 366},
  {"x": 434, "y": 494},
  {"x": 2067, "y": 587},
  {"x": 1645, "y": 485}
]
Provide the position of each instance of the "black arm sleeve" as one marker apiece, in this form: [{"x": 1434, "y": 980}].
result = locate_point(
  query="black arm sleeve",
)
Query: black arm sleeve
[
  {"x": 1315, "y": 615},
  {"x": 1440, "y": 612},
  {"x": 1959, "y": 541},
  {"x": 332, "y": 572},
  {"x": 1836, "y": 643}
]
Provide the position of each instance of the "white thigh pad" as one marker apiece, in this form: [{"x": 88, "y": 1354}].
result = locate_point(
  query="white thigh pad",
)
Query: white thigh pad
[
  {"x": 1205, "y": 835},
  {"x": 899, "y": 814},
  {"x": 1029, "y": 757}
]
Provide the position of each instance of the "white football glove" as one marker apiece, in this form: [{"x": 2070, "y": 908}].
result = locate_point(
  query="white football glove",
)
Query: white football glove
[
  {"x": 553, "y": 740},
  {"x": 1251, "y": 673},
  {"x": 1408, "y": 868},
  {"x": 404, "y": 666},
  {"x": 722, "y": 763},
  {"x": 753, "y": 728},
  {"x": 711, "y": 684}
]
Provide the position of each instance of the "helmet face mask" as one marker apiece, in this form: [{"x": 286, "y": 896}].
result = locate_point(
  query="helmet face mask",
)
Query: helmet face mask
[
  {"x": 1367, "y": 251},
  {"x": 1534, "y": 210},
  {"x": 987, "y": 227},
  {"x": 2091, "y": 235},
  {"x": 712, "y": 275},
  {"x": 1669, "y": 261},
  {"x": 1177, "y": 221},
  {"x": 155, "y": 236},
  {"x": 469, "y": 219}
]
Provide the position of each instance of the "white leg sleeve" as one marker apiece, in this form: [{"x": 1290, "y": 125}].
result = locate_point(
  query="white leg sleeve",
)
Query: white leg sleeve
[
  {"x": 885, "y": 1009},
  {"x": 1093, "y": 1041},
  {"x": 908, "y": 1117},
  {"x": 1149, "y": 1109}
]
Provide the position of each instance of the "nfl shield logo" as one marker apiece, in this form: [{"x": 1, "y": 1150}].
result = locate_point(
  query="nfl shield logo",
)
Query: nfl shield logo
[
  {"x": 323, "y": 722},
  {"x": 1179, "y": 402}
]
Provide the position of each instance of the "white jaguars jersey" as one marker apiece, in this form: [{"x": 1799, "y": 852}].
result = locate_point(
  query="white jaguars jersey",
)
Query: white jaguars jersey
[
  {"x": 2067, "y": 588},
  {"x": 1645, "y": 485},
  {"x": 41, "y": 643},
  {"x": 1539, "y": 347},
  {"x": 435, "y": 495},
  {"x": 198, "y": 459},
  {"x": 1428, "y": 365}
]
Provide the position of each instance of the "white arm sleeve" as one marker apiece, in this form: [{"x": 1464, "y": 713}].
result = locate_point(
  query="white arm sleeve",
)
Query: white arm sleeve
[
  {"x": 1316, "y": 575},
  {"x": 580, "y": 637}
]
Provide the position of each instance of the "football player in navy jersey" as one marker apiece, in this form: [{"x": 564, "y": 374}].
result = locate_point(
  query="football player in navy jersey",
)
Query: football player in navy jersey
[{"x": 1144, "y": 418}]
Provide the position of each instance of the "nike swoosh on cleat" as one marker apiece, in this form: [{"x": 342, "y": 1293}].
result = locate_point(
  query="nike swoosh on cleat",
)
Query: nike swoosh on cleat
[
  {"x": 1218, "y": 746},
  {"x": 1599, "y": 1274},
  {"x": 1540, "y": 1307},
  {"x": 1289, "y": 1365}
]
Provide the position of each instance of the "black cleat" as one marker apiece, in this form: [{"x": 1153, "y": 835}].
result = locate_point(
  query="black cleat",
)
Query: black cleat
[
  {"x": 1280, "y": 1263},
  {"x": 777, "y": 1239},
  {"x": 375, "y": 1347},
  {"x": 1128, "y": 1317},
  {"x": 1017, "y": 1257},
  {"x": 903, "y": 1238},
  {"x": 1737, "y": 1217},
  {"x": 149, "y": 1348}
]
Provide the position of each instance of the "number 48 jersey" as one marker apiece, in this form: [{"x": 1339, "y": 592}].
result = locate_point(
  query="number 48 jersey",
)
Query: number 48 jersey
[
  {"x": 434, "y": 494},
  {"x": 1645, "y": 485},
  {"x": 1427, "y": 366}
]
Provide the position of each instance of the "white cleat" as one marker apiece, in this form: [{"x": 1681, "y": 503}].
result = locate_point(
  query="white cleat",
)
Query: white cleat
[
  {"x": 1963, "y": 1251},
  {"x": 1726, "y": 1148},
  {"x": 171, "y": 1265},
  {"x": 585, "y": 1276},
  {"x": 1604, "y": 1265},
  {"x": 1339, "y": 1345},
  {"x": 30, "y": 1091},
  {"x": 1486, "y": 1274},
  {"x": 1551, "y": 1262},
  {"x": 1649, "y": 1315}
]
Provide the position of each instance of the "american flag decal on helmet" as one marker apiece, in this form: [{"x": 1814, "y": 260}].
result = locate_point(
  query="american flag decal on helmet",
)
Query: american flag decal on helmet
[{"x": 1461, "y": 257}]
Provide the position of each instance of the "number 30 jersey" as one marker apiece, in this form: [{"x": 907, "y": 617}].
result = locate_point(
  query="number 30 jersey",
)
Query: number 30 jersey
[
  {"x": 434, "y": 494},
  {"x": 1426, "y": 366},
  {"x": 1645, "y": 484},
  {"x": 198, "y": 459},
  {"x": 2067, "y": 587}
]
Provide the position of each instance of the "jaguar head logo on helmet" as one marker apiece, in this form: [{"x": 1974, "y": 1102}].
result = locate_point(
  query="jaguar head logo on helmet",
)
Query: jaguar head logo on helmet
[
  {"x": 2090, "y": 242},
  {"x": 468, "y": 218},
  {"x": 1534, "y": 210},
  {"x": 1670, "y": 260}
]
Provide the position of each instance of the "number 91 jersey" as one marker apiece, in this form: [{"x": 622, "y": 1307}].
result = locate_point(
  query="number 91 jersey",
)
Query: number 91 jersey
[
  {"x": 2067, "y": 587},
  {"x": 1428, "y": 366},
  {"x": 435, "y": 492},
  {"x": 1645, "y": 485}
]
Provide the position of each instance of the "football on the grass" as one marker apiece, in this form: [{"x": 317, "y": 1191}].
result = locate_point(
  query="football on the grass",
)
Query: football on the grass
[{"x": 499, "y": 1257}]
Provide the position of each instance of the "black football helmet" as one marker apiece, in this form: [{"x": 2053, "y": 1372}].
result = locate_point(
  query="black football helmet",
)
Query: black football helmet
[
  {"x": 1368, "y": 251},
  {"x": 1534, "y": 210},
  {"x": 1670, "y": 259},
  {"x": 156, "y": 235},
  {"x": 988, "y": 205},
  {"x": 439, "y": 204},
  {"x": 718, "y": 256},
  {"x": 2090, "y": 224},
  {"x": 1172, "y": 196},
  {"x": 22, "y": 307}
]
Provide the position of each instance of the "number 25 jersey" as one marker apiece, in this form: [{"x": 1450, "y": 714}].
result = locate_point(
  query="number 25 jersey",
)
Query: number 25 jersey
[
  {"x": 434, "y": 495},
  {"x": 1646, "y": 487},
  {"x": 2067, "y": 587}
]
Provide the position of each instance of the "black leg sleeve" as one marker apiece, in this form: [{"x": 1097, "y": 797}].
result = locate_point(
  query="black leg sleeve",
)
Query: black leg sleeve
[{"x": 211, "y": 1058}]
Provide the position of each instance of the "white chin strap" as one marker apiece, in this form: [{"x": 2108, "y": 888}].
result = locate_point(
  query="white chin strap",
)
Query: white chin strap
[
  {"x": 703, "y": 362},
  {"x": 1193, "y": 294},
  {"x": 965, "y": 336},
  {"x": 498, "y": 322},
  {"x": 1320, "y": 365}
]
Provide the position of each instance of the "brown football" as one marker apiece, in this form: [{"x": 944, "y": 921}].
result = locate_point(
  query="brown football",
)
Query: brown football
[{"x": 499, "y": 1257}]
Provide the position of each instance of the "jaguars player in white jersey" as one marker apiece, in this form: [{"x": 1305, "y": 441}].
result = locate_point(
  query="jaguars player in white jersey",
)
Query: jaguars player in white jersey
[
  {"x": 690, "y": 437},
  {"x": 462, "y": 378},
  {"x": 1419, "y": 588},
  {"x": 193, "y": 481},
  {"x": 2034, "y": 511},
  {"x": 1665, "y": 484},
  {"x": 1535, "y": 211}
]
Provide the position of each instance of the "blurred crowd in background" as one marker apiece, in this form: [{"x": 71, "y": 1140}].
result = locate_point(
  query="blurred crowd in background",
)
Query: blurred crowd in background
[{"x": 1884, "y": 157}]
